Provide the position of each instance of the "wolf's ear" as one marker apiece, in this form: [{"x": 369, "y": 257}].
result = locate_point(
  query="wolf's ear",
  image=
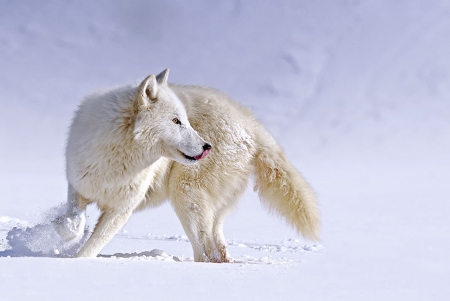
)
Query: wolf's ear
[
  {"x": 163, "y": 77},
  {"x": 147, "y": 90}
]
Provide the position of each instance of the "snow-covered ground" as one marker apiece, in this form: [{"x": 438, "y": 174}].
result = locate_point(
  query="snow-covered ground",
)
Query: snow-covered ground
[{"x": 357, "y": 92}]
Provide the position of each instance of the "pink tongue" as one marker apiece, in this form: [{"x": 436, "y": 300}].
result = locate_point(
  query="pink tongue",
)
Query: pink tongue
[{"x": 204, "y": 154}]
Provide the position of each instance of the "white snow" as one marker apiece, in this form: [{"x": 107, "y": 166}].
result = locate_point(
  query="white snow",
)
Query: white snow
[{"x": 357, "y": 93}]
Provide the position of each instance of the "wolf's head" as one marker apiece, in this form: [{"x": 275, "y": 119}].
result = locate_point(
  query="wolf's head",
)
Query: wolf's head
[{"x": 161, "y": 115}]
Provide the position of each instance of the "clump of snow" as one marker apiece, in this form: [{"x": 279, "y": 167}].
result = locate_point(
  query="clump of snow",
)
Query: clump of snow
[
  {"x": 7, "y": 222},
  {"x": 40, "y": 238}
]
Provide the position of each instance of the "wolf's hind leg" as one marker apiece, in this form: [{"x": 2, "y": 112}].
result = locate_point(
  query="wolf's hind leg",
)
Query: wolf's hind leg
[
  {"x": 228, "y": 202},
  {"x": 228, "y": 205},
  {"x": 219, "y": 238},
  {"x": 197, "y": 221}
]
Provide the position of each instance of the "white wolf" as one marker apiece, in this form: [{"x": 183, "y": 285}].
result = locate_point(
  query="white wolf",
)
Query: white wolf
[{"x": 137, "y": 146}]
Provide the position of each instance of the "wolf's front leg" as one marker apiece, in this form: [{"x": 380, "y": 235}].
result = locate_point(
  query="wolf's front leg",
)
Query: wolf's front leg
[
  {"x": 71, "y": 222},
  {"x": 71, "y": 225},
  {"x": 109, "y": 223}
]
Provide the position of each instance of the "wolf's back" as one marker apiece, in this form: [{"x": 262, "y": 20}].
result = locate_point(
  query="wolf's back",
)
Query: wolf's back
[{"x": 283, "y": 189}]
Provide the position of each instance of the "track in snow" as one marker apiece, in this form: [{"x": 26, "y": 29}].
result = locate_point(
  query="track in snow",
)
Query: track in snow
[{"x": 243, "y": 251}]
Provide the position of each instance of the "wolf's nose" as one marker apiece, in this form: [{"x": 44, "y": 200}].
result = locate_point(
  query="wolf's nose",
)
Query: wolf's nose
[{"x": 206, "y": 146}]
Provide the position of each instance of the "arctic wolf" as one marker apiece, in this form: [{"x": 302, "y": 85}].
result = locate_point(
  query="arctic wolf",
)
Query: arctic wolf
[{"x": 136, "y": 146}]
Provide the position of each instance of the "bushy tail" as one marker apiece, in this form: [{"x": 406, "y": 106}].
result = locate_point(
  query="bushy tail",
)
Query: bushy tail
[{"x": 284, "y": 190}]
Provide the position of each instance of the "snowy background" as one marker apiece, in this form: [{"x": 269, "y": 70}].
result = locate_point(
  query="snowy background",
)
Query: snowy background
[{"x": 357, "y": 93}]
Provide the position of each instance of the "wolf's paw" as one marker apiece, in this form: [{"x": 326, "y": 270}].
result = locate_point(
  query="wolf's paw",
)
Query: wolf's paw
[
  {"x": 222, "y": 260},
  {"x": 70, "y": 227},
  {"x": 221, "y": 256}
]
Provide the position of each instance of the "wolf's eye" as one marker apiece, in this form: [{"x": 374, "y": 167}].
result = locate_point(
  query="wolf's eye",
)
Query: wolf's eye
[{"x": 176, "y": 121}]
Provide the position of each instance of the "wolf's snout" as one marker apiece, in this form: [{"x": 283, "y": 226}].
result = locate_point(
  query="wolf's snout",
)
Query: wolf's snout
[{"x": 206, "y": 147}]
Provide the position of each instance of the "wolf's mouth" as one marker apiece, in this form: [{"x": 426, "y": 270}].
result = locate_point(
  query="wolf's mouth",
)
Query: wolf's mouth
[
  {"x": 196, "y": 158},
  {"x": 188, "y": 157}
]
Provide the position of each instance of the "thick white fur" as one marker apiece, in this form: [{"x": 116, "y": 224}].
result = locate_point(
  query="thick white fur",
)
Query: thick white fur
[{"x": 123, "y": 154}]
